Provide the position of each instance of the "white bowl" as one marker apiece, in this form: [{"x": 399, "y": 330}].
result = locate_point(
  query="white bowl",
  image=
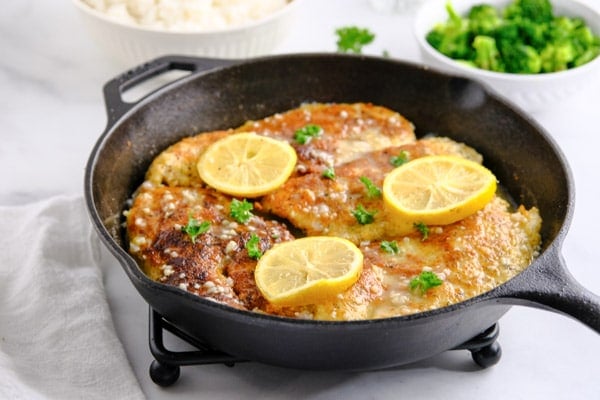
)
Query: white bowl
[
  {"x": 131, "y": 44},
  {"x": 530, "y": 92},
  {"x": 398, "y": 6}
]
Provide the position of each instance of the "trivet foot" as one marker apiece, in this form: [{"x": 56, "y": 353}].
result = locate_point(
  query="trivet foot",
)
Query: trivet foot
[
  {"x": 488, "y": 355},
  {"x": 164, "y": 374},
  {"x": 484, "y": 348},
  {"x": 165, "y": 369}
]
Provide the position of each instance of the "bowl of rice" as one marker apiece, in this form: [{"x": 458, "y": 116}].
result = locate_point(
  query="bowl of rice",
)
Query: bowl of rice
[{"x": 134, "y": 31}]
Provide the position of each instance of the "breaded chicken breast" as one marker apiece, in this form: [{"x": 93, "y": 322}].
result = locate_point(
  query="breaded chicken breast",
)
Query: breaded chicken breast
[
  {"x": 470, "y": 257},
  {"x": 357, "y": 144},
  {"x": 347, "y": 132},
  {"x": 216, "y": 264},
  {"x": 323, "y": 206}
]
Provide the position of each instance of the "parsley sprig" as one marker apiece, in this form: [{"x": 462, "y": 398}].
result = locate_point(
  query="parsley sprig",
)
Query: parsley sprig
[
  {"x": 400, "y": 159},
  {"x": 253, "y": 247},
  {"x": 425, "y": 281},
  {"x": 241, "y": 211},
  {"x": 363, "y": 216},
  {"x": 351, "y": 39},
  {"x": 390, "y": 247},
  {"x": 372, "y": 190},
  {"x": 424, "y": 229},
  {"x": 328, "y": 173},
  {"x": 306, "y": 133},
  {"x": 194, "y": 228}
]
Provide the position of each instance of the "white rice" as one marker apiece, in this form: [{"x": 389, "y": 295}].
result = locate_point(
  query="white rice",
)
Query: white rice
[{"x": 186, "y": 15}]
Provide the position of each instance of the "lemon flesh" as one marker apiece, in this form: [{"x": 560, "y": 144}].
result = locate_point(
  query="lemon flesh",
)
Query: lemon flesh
[
  {"x": 436, "y": 190},
  {"x": 309, "y": 270},
  {"x": 247, "y": 164}
]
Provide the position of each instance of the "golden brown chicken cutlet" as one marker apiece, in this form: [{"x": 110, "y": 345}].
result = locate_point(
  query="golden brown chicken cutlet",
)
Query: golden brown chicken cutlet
[
  {"x": 176, "y": 166},
  {"x": 319, "y": 205},
  {"x": 471, "y": 257},
  {"x": 346, "y": 132},
  {"x": 215, "y": 264},
  {"x": 355, "y": 145}
]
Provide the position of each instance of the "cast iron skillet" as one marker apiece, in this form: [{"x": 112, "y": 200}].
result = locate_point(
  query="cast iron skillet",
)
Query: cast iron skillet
[{"x": 221, "y": 94}]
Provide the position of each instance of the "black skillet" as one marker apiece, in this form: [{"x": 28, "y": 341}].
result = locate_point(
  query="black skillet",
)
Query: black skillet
[{"x": 221, "y": 94}]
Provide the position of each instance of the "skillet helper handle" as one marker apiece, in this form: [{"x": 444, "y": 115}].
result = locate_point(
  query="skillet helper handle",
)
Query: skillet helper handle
[
  {"x": 552, "y": 287},
  {"x": 116, "y": 107}
]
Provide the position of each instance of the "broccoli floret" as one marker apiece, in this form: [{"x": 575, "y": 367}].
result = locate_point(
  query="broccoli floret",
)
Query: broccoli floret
[
  {"x": 583, "y": 38},
  {"x": 561, "y": 28},
  {"x": 571, "y": 43},
  {"x": 484, "y": 19},
  {"x": 534, "y": 10},
  {"x": 453, "y": 46},
  {"x": 487, "y": 55},
  {"x": 507, "y": 34},
  {"x": 586, "y": 56},
  {"x": 521, "y": 59},
  {"x": 558, "y": 56},
  {"x": 453, "y": 38},
  {"x": 534, "y": 34}
]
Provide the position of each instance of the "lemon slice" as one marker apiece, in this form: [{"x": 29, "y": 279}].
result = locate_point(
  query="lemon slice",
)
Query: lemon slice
[
  {"x": 246, "y": 164},
  {"x": 436, "y": 190},
  {"x": 309, "y": 270}
]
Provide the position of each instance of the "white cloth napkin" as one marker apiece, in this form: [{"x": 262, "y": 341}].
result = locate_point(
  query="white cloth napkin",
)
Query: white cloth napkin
[{"x": 57, "y": 339}]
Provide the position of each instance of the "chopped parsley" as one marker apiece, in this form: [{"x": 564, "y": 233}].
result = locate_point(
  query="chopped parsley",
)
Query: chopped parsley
[
  {"x": 253, "y": 247},
  {"x": 425, "y": 281},
  {"x": 363, "y": 216},
  {"x": 328, "y": 173},
  {"x": 351, "y": 39},
  {"x": 424, "y": 229},
  {"x": 306, "y": 133},
  {"x": 194, "y": 228},
  {"x": 372, "y": 190},
  {"x": 390, "y": 247},
  {"x": 241, "y": 210},
  {"x": 400, "y": 159}
]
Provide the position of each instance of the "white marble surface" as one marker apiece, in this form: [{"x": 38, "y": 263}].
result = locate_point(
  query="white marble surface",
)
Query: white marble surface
[{"x": 52, "y": 112}]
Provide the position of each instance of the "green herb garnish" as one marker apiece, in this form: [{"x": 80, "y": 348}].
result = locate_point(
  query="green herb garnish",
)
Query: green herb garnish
[
  {"x": 363, "y": 216},
  {"x": 328, "y": 173},
  {"x": 400, "y": 159},
  {"x": 390, "y": 247},
  {"x": 372, "y": 190},
  {"x": 425, "y": 281},
  {"x": 241, "y": 210},
  {"x": 194, "y": 228},
  {"x": 352, "y": 39},
  {"x": 252, "y": 245},
  {"x": 306, "y": 133},
  {"x": 424, "y": 229}
]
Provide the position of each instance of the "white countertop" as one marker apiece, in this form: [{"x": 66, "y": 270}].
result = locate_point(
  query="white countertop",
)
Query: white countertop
[{"x": 52, "y": 112}]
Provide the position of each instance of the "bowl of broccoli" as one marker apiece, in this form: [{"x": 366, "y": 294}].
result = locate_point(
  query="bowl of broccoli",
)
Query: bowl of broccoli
[{"x": 534, "y": 52}]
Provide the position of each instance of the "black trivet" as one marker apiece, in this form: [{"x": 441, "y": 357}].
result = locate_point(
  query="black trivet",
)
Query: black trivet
[{"x": 165, "y": 368}]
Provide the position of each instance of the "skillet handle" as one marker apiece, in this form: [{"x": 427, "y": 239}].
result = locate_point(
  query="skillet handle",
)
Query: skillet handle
[
  {"x": 116, "y": 107},
  {"x": 548, "y": 285}
]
